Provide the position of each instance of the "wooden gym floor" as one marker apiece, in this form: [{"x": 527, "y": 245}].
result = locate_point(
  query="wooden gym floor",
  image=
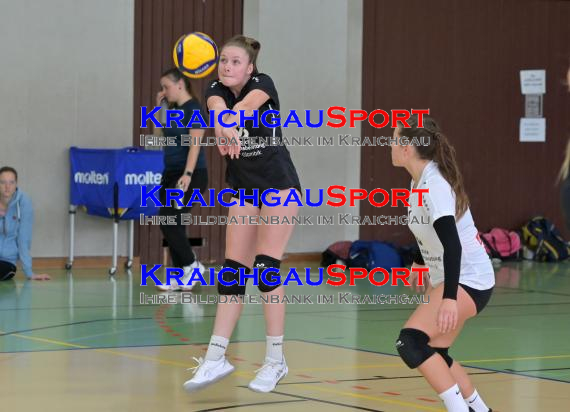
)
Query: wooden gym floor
[{"x": 84, "y": 341}]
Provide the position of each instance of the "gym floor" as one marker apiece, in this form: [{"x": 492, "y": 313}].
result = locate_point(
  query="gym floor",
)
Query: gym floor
[{"x": 84, "y": 341}]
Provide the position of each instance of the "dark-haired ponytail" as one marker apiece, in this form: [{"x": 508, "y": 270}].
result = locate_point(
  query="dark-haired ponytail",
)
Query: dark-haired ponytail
[
  {"x": 446, "y": 159},
  {"x": 440, "y": 151}
]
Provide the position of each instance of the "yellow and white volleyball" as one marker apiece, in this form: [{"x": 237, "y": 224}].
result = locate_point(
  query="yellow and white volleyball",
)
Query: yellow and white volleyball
[{"x": 195, "y": 55}]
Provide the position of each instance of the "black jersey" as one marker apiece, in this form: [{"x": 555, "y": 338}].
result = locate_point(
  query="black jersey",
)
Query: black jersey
[
  {"x": 260, "y": 165},
  {"x": 175, "y": 157}
]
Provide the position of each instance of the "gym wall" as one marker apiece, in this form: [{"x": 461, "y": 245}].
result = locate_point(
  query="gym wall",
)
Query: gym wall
[
  {"x": 66, "y": 81},
  {"x": 462, "y": 60}
]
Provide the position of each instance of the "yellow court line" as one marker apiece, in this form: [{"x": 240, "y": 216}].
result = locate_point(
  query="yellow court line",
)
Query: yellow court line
[
  {"x": 380, "y": 399},
  {"x": 53, "y": 342},
  {"x": 112, "y": 352},
  {"x": 366, "y": 366},
  {"x": 516, "y": 359},
  {"x": 402, "y": 365},
  {"x": 165, "y": 362}
]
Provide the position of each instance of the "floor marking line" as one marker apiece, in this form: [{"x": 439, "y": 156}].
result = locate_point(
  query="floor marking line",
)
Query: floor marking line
[
  {"x": 220, "y": 408},
  {"x": 352, "y": 407},
  {"x": 378, "y": 399},
  {"x": 113, "y": 352},
  {"x": 516, "y": 359}
]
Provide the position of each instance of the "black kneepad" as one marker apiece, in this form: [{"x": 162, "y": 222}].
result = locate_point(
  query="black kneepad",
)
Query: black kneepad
[
  {"x": 412, "y": 345},
  {"x": 443, "y": 352},
  {"x": 263, "y": 262},
  {"x": 234, "y": 289}
]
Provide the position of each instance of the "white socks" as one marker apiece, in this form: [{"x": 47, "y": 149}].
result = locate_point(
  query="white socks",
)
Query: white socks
[
  {"x": 476, "y": 403},
  {"x": 216, "y": 348},
  {"x": 453, "y": 400},
  {"x": 274, "y": 348},
  {"x": 218, "y": 345}
]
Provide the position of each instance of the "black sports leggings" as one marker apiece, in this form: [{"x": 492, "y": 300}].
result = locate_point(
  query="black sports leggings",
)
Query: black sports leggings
[{"x": 175, "y": 235}]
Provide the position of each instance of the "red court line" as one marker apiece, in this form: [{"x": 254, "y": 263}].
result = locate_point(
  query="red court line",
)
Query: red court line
[
  {"x": 360, "y": 387},
  {"x": 426, "y": 399},
  {"x": 160, "y": 319}
]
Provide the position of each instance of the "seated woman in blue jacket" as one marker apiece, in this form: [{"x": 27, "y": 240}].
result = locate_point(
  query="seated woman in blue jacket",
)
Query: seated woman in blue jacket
[{"x": 16, "y": 220}]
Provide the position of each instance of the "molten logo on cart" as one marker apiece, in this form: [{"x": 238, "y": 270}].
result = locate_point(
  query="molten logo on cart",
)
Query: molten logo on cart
[
  {"x": 147, "y": 178},
  {"x": 91, "y": 178},
  {"x": 149, "y": 194}
]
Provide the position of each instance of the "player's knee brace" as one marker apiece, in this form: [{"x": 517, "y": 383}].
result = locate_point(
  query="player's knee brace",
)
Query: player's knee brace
[
  {"x": 229, "y": 276},
  {"x": 443, "y": 352},
  {"x": 412, "y": 345},
  {"x": 263, "y": 262}
]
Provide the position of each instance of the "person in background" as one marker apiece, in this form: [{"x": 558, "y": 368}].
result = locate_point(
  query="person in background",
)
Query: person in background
[
  {"x": 16, "y": 221},
  {"x": 563, "y": 175},
  {"x": 184, "y": 168}
]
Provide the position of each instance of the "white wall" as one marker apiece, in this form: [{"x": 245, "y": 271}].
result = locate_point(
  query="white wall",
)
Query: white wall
[
  {"x": 67, "y": 80},
  {"x": 313, "y": 51}
]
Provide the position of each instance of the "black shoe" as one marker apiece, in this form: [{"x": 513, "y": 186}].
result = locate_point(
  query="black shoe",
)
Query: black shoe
[{"x": 471, "y": 410}]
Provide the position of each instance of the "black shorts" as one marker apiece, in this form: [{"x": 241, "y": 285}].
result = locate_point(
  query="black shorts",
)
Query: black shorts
[
  {"x": 272, "y": 168},
  {"x": 480, "y": 297},
  {"x": 249, "y": 193}
]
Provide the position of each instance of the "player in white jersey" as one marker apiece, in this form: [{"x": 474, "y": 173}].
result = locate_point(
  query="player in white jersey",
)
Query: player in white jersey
[{"x": 461, "y": 277}]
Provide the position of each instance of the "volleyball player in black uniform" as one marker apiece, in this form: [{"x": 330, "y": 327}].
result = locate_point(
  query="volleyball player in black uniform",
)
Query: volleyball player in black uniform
[
  {"x": 257, "y": 166},
  {"x": 249, "y": 166},
  {"x": 184, "y": 168}
]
